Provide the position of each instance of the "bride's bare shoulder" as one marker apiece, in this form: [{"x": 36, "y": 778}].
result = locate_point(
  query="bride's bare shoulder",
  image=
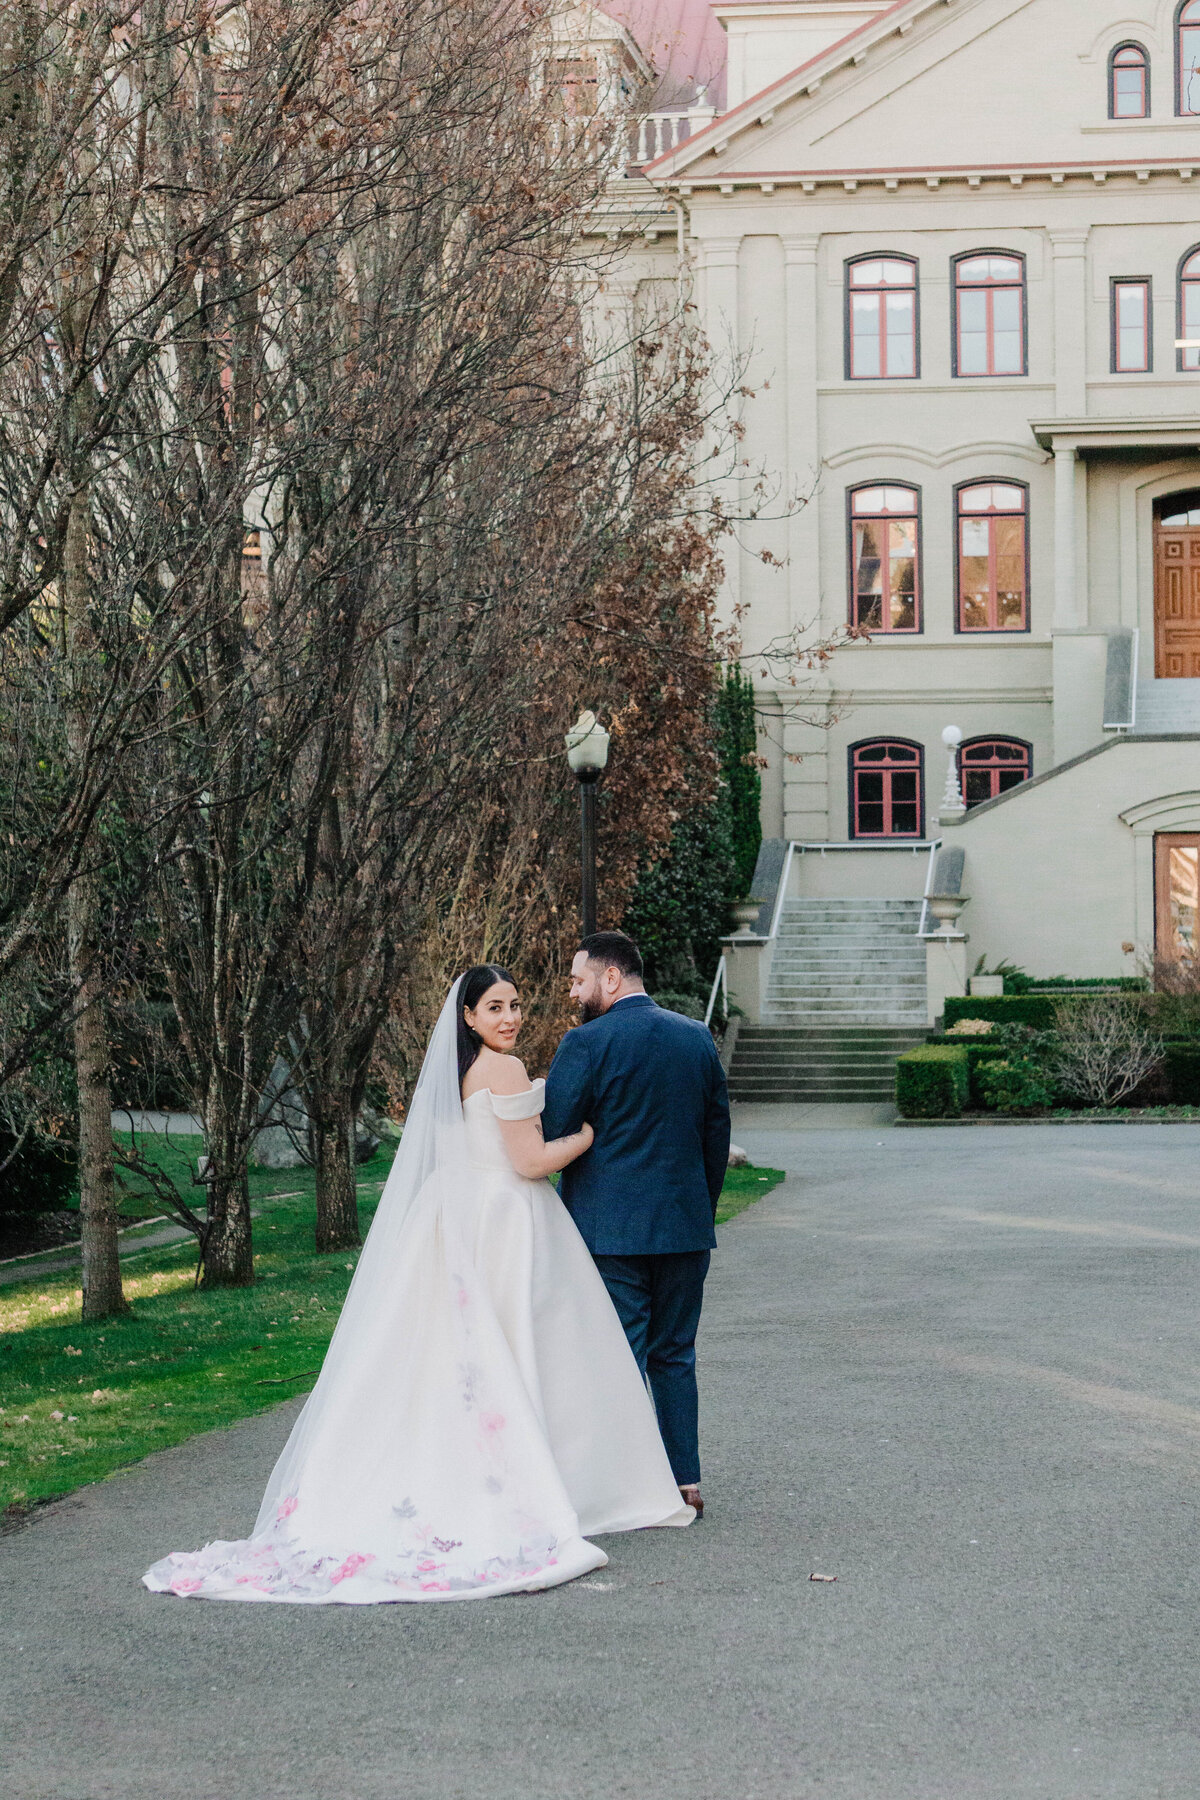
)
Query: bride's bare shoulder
[
  {"x": 506, "y": 1074},
  {"x": 502, "y": 1074}
]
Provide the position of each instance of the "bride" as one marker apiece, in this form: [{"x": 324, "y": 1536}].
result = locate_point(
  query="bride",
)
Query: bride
[{"x": 479, "y": 1413}]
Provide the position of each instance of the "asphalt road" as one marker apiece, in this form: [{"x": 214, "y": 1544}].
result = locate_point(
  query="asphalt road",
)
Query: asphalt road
[{"x": 959, "y": 1370}]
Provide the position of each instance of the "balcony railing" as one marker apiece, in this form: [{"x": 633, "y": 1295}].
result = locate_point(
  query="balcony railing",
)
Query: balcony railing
[{"x": 658, "y": 132}]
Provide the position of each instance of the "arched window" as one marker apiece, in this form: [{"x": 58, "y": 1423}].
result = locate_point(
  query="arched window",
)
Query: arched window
[
  {"x": 1187, "y": 59},
  {"x": 881, "y": 319},
  {"x": 989, "y": 314},
  {"x": 885, "y": 558},
  {"x": 989, "y": 766},
  {"x": 1129, "y": 83},
  {"x": 887, "y": 789},
  {"x": 993, "y": 557},
  {"x": 1189, "y": 309}
]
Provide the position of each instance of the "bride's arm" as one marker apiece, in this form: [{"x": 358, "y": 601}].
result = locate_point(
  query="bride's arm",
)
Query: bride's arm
[
  {"x": 532, "y": 1156},
  {"x": 528, "y": 1151}
]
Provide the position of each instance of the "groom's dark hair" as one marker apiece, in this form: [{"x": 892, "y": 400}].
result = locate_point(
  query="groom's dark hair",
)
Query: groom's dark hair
[{"x": 613, "y": 950}]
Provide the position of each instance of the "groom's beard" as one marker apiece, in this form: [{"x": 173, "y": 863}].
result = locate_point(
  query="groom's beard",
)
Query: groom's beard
[{"x": 589, "y": 1010}]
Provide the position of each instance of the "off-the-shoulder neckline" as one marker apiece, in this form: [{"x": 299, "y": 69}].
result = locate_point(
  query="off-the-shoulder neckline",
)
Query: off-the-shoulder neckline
[{"x": 538, "y": 1081}]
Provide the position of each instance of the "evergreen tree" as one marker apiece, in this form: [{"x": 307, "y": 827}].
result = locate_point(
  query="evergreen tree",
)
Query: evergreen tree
[
  {"x": 680, "y": 907},
  {"x": 737, "y": 745}
]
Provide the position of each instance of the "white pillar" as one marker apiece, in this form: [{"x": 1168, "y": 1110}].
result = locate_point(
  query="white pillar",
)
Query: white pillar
[
  {"x": 945, "y": 971},
  {"x": 803, "y": 427},
  {"x": 1070, "y": 322},
  {"x": 718, "y": 272},
  {"x": 1067, "y": 612}
]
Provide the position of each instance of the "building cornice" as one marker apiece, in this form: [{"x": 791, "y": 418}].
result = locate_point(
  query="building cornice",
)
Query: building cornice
[
  {"x": 1149, "y": 432},
  {"x": 931, "y": 177}
]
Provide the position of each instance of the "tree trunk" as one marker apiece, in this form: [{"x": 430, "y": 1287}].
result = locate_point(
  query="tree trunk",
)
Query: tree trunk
[
  {"x": 102, "y": 1292},
  {"x": 337, "y": 1186},
  {"x": 228, "y": 1259},
  {"x": 228, "y": 1255}
]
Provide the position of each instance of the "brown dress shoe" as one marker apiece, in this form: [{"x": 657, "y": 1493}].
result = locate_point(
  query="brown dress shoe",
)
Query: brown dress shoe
[{"x": 691, "y": 1497}]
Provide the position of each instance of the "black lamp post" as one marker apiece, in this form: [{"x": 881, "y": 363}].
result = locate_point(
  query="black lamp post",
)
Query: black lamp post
[{"x": 587, "y": 754}]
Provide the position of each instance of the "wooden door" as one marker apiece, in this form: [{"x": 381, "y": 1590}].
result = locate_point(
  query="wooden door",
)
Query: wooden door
[
  {"x": 1177, "y": 601},
  {"x": 1177, "y": 879}
]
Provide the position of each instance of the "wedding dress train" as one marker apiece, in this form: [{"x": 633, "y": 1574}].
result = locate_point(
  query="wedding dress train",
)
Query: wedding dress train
[{"x": 479, "y": 1413}]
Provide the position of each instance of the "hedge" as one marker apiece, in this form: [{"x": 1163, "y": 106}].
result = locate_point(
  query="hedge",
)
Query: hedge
[
  {"x": 1180, "y": 1068},
  {"x": 1020, "y": 984},
  {"x": 1013, "y": 1009},
  {"x": 933, "y": 1082},
  {"x": 978, "y": 1051},
  {"x": 1181, "y": 1064}
]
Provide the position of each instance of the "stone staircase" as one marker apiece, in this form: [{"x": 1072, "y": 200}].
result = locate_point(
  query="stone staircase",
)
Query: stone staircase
[
  {"x": 846, "y": 997},
  {"x": 842, "y": 1064},
  {"x": 1167, "y": 706},
  {"x": 848, "y": 962}
]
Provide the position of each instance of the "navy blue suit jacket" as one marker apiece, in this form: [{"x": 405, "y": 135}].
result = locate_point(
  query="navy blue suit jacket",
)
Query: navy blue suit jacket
[{"x": 651, "y": 1085}]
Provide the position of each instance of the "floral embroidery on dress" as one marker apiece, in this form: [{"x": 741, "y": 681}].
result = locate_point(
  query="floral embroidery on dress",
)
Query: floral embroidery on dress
[{"x": 275, "y": 1566}]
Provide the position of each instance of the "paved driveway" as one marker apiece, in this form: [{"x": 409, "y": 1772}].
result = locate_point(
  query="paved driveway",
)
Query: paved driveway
[{"x": 959, "y": 1370}]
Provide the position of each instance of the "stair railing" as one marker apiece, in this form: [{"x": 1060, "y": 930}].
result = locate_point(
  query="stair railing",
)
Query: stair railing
[
  {"x": 720, "y": 981},
  {"x": 781, "y": 896},
  {"x": 922, "y": 928}
]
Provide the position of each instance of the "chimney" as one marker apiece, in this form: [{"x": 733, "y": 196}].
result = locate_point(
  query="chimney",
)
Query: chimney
[{"x": 770, "y": 38}]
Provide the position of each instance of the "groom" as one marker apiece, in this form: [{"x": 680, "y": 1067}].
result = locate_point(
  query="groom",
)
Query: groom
[{"x": 644, "y": 1197}]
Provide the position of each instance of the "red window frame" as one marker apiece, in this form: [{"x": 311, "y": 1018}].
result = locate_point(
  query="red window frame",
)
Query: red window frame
[
  {"x": 991, "y": 762},
  {"x": 1126, "y": 58},
  {"x": 1132, "y": 320},
  {"x": 887, "y": 782},
  {"x": 882, "y": 301},
  {"x": 986, "y": 282},
  {"x": 885, "y": 535},
  {"x": 992, "y": 504},
  {"x": 1187, "y": 59},
  {"x": 1189, "y": 308}
]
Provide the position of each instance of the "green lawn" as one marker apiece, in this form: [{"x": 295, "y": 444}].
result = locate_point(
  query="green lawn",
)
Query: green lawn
[
  {"x": 742, "y": 1188},
  {"x": 185, "y": 1360}
]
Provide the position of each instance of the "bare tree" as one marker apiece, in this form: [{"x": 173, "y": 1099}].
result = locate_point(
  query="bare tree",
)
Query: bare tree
[{"x": 1103, "y": 1048}]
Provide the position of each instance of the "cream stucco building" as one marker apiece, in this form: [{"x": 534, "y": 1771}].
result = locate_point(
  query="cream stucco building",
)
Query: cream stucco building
[{"x": 958, "y": 244}]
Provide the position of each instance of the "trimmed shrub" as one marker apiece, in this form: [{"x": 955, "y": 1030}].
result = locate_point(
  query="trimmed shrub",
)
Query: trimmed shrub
[
  {"x": 1012, "y": 1009},
  {"x": 933, "y": 1082},
  {"x": 1181, "y": 1067},
  {"x": 1016, "y": 982},
  {"x": 978, "y": 1052},
  {"x": 1015, "y": 1085}
]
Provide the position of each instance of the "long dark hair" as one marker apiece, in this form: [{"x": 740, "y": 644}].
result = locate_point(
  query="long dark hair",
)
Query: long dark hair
[{"x": 475, "y": 984}]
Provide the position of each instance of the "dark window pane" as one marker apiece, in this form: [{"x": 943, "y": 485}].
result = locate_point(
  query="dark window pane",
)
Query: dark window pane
[
  {"x": 1010, "y": 778},
  {"x": 977, "y": 786}
]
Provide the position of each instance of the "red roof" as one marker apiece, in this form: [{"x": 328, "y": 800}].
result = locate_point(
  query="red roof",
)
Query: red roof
[{"x": 684, "y": 43}]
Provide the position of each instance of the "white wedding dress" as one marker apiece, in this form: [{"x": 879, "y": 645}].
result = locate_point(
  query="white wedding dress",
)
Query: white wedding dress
[{"x": 479, "y": 1413}]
